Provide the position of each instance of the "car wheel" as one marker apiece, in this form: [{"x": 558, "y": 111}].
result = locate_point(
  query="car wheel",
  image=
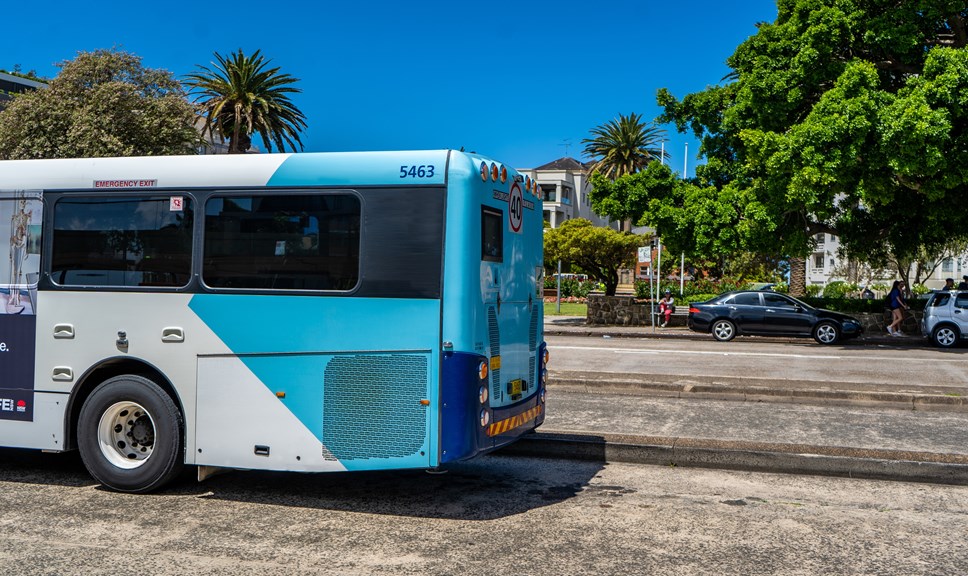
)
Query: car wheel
[
  {"x": 129, "y": 435},
  {"x": 724, "y": 330},
  {"x": 826, "y": 333},
  {"x": 944, "y": 336}
]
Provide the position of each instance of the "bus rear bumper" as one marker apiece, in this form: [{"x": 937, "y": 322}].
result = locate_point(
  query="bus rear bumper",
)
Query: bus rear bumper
[{"x": 469, "y": 425}]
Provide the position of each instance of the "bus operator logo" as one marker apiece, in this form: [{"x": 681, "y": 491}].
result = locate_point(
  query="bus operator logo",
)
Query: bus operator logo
[{"x": 8, "y": 405}]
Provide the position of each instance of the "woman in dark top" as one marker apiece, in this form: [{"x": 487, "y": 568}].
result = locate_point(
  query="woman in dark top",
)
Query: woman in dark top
[{"x": 895, "y": 301}]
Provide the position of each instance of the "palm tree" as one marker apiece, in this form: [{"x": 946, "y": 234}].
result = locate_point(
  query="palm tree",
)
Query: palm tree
[
  {"x": 241, "y": 96},
  {"x": 624, "y": 146}
]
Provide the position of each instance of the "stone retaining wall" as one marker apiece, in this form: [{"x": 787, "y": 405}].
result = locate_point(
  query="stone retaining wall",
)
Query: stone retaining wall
[{"x": 627, "y": 311}]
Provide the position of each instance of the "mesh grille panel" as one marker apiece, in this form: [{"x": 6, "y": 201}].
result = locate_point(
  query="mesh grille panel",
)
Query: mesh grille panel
[
  {"x": 533, "y": 329},
  {"x": 371, "y": 405},
  {"x": 494, "y": 335}
]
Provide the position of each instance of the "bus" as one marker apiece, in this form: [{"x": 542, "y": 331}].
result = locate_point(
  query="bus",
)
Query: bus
[{"x": 293, "y": 312}]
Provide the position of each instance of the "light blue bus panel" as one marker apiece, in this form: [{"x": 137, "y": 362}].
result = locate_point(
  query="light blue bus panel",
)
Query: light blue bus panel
[
  {"x": 494, "y": 314},
  {"x": 318, "y": 384}
]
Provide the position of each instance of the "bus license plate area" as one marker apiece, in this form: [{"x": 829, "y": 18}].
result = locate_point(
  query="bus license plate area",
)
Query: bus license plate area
[{"x": 516, "y": 387}]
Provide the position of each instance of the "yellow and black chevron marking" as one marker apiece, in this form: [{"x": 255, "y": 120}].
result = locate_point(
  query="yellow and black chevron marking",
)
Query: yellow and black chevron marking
[{"x": 514, "y": 421}]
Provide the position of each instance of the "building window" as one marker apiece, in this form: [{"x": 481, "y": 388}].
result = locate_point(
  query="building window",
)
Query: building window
[
  {"x": 818, "y": 261},
  {"x": 819, "y": 238},
  {"x": 948, "y": 265}
]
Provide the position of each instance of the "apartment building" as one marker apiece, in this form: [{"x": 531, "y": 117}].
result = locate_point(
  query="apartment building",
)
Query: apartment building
[
  {"x": 566, "y": 191},
  {"x": 10, "y": 85},
  {"x": 824, "y": 265}
]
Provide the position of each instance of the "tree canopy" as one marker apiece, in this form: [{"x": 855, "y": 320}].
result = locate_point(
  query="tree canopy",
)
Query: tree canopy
[
  {"x": 102, "y": 103},
  {"x": 624, "y": 145},
  {"x": 241, "y": 95},
  {"x": 847, "y": 117},
  {"x": 596, "y": 251}
]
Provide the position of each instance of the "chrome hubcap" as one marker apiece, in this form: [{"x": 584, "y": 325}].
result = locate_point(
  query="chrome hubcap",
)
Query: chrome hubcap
[
  {"x": 126, "y": 435},
  {"x": 723, "y": 330}
]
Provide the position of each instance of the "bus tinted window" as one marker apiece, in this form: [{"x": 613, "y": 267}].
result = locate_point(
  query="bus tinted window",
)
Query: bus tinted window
[
  {"x": 282, "y": 242},
  {"x": 128, "y": 241},
  {"x": 492, "y": 235}
]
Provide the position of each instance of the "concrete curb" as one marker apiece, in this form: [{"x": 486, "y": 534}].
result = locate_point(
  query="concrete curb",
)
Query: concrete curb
[
  {"x": 751, "y": 456},
  {"x": 933, "y": 398}
]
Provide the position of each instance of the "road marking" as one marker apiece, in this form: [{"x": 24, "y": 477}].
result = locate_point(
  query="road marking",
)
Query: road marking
[{"x": 767, "y": 354}]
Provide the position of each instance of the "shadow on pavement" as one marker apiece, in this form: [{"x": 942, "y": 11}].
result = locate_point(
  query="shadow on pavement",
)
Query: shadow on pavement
[{"x": 486, "y": 488}]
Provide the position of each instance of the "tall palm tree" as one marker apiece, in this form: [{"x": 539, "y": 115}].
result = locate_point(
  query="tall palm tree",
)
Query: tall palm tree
[
  {"x": 624, "y": 146},
  {"x": 240, "y": 95}
]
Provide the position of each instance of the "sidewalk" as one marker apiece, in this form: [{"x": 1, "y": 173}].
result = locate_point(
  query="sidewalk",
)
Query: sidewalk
[
  {"x": 576, "y": 326},
  {"x": 867, "y": 430}
]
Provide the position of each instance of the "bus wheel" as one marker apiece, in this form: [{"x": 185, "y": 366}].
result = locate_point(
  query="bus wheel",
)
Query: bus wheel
[{"x": 130, "y": 435}]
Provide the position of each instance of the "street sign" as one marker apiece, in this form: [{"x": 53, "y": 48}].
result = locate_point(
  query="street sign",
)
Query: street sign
[{"x": 645, "y": 254}]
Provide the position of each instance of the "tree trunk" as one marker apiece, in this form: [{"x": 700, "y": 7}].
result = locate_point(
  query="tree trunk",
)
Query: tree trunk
[
  {"x": 611, "y": 284},
  {"x": 798, "y": 276},
  {"x": 241, "y": 144}
]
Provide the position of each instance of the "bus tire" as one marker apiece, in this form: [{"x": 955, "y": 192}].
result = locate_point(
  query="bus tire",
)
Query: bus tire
[{"x": 130, "y": 435}]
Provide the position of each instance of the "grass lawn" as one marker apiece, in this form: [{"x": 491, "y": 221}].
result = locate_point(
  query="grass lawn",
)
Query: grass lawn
[{"x": 567, "y": 309}]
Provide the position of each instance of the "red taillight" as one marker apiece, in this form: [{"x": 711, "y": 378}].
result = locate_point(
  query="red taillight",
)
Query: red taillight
[{"x": 693, "y": 310}]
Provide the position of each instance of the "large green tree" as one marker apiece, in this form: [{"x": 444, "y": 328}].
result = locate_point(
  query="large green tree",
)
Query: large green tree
[
  {"x": 624, "y": 145},
  {"x": 242, "y": 95},
  {"x": 102, "y": 103},
  {"x": 594, "y": 250},
  {"x": 843, "y": 116}
]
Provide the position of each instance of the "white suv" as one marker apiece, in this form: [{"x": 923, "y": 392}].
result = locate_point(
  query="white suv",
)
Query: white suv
[{"x": 945, "y": 318}]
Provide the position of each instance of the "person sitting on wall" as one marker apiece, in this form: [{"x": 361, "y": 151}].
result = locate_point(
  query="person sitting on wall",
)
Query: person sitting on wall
[
  {"x": 666, "y": 307},
  {"x": 963, "y": 285}
]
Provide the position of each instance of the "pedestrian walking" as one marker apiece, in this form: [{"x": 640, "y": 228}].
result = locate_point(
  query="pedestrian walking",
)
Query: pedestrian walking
[
  {"x": 895, "y": 301},
  {"x": 963, "y": 285}
]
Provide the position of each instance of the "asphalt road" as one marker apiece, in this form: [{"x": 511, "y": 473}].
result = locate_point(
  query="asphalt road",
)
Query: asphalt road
[{"x": 494, "y": 515}]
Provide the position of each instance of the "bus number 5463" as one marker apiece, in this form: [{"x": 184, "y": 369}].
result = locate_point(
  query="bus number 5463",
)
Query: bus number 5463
[{"x": 426, "y": 171}]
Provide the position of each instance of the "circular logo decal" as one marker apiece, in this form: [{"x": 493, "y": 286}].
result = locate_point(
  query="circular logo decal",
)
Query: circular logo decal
[{"x": 515, "y": 208}]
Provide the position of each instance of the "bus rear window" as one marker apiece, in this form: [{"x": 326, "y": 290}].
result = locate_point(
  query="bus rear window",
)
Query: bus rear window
[
  {"x": 492, "y": 235},
  {"x": 122, "y": 241},
  {"x": 282, "y": 242}
]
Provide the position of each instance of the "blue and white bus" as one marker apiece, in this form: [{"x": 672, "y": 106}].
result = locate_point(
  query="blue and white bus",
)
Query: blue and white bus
[{"x": 295, "y": 312}]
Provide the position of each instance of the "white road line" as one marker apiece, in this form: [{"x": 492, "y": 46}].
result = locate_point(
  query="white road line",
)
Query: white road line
[{"x": 767, "y": 354}]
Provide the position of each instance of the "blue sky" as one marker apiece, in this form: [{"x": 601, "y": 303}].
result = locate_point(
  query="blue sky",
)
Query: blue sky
[{"x": 523, "y": 82}]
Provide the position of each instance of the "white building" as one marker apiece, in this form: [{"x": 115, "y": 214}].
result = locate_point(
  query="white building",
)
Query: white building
[
  {"x": 566, "y": 191},
  {"x": 824, "y": 265}
]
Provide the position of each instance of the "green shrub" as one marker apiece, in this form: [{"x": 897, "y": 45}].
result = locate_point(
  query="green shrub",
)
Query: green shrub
[
  {"x": 840, "y": 289},
  {"x": 699, "y": 297},
  {"x": 858, "y": 305},
  {"x": 571, "y": 287}
]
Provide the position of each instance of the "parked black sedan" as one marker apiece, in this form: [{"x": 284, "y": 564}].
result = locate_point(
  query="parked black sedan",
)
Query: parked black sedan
[{"x": 769, "y": 314}]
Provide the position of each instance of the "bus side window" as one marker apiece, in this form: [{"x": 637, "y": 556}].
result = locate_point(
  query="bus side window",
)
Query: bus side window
[
  {"x": 123, "y": 241},
  {"x": 492, "y": 235}
]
